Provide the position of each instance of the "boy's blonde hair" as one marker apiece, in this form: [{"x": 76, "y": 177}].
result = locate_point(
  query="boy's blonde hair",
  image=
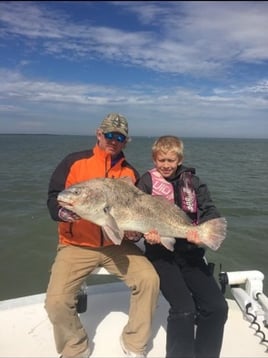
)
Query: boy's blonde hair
[{"x": 168, "y": 143}]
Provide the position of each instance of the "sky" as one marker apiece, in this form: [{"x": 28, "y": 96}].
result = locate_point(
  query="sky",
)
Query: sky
[{"x": 192, "y": 69}]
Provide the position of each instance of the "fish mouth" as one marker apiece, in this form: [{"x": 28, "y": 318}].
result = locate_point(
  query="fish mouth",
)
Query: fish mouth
[{"x": 64, "y": 203}]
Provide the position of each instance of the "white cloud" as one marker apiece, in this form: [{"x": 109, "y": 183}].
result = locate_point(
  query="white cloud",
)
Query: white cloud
[{"x": 203, "y": 59}]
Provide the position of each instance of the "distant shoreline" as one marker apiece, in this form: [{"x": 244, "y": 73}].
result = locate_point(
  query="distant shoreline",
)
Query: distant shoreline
[{"x": 133, "y": 136}]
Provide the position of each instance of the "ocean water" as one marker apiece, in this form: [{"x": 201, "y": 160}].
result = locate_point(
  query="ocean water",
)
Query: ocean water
[{"x": 235, "y": 170}]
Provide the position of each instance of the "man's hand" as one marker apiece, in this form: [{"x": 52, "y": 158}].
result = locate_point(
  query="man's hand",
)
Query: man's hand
[
  {"x": 133, "y": 235},
  {"x": 68, "y": 215},
  {"x": 152, "y": 237}
]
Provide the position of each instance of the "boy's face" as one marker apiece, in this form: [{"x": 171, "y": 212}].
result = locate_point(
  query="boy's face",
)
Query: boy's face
[{"x": 167, "y": 163}]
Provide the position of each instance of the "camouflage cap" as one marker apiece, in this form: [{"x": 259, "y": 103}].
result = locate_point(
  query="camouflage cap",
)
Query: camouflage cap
[{"x": 115, "y": 122}]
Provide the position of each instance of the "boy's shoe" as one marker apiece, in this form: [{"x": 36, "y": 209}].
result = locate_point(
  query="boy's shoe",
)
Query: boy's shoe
[{"x": 128, "y": 353}]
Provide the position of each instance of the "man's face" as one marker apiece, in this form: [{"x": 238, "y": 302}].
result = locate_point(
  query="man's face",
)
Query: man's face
[{"x": 112, "y": 142}]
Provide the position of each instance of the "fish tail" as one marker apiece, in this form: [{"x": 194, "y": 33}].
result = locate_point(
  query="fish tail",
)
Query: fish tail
[{"x": 213, "y": 232}]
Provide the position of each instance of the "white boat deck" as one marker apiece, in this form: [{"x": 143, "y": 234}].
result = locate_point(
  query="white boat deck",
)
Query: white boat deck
[{"x": 27, "y": 332}]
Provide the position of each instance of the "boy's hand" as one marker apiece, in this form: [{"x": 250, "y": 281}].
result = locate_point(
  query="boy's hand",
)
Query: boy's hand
[
  {"x": 193, "y": 237},
  {"x": 152, "y": 237}
]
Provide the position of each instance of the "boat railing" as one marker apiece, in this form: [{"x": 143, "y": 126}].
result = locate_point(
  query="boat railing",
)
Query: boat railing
[{"x": 247, "y": 289}]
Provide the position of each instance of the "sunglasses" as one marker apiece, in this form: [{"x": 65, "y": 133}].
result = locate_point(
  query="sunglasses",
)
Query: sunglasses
[{"x": 119, "y": 137}]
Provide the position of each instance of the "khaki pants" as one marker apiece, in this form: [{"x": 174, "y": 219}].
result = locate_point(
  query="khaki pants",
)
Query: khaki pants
[{"x": 72, "y": 265}]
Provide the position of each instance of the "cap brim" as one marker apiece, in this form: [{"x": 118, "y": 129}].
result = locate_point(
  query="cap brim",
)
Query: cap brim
[{"x": 115, "y": 130}]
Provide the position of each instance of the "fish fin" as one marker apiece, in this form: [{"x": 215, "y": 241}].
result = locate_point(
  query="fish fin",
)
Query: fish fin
[
  {"x": 112, "y": 231},
  {"x": 168, "y": 242},
  {"x": 213, "y": 232},
  {"x": 140, "y": 245}
]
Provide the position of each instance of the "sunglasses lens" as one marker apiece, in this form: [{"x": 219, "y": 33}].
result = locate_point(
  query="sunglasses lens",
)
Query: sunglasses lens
[
  {"x": 119, "y": 137},
  {"x": 108, "y": 135}
]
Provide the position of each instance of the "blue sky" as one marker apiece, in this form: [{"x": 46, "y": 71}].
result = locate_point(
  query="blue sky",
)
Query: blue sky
[{"x": 193, "y": 69}]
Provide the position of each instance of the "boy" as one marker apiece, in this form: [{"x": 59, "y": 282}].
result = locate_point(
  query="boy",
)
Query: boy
[{"x": 185, "y": 279}]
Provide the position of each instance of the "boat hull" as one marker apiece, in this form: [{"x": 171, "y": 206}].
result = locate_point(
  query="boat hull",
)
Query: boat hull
[{"x": 27, "y": 331}]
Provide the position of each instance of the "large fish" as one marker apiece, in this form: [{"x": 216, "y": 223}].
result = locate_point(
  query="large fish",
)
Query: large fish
[{"x": 117, "y": 206}]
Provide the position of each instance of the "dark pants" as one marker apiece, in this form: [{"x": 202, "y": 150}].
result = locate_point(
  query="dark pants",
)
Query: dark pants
[{"x": 198, "y": 310}]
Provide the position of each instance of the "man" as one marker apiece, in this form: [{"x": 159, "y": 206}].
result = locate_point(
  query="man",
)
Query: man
[{"x": 82, "y": 247}]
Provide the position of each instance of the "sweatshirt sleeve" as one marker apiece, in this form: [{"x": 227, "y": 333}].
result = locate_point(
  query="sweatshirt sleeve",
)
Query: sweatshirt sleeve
[
  {"x": 145, "y": 183},
  {"x": 56, "y": 185},
  {"x": 206, "y": 207}
]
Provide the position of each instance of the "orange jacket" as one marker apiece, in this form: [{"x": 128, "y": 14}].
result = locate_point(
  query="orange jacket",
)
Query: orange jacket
[{"x": 77, "y": 167}]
